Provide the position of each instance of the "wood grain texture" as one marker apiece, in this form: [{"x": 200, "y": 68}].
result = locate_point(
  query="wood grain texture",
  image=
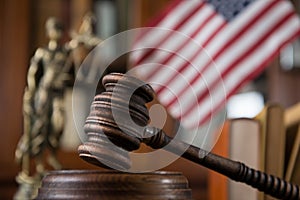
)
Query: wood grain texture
[{"x": 113, "y": 185}]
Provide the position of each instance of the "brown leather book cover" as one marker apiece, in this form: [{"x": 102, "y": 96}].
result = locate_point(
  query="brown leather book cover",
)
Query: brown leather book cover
[{"x": 217, "y": 183}]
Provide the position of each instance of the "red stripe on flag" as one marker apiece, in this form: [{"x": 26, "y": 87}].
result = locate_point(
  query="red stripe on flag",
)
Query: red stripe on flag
[
  {"x": 186, "y": 64},
  {"x": 228, "y": 43},
  {"x": 196, "y": 31},
  {"x": 213, "y": 35},
  {"x": 254, "y": 47},
  {"x": 236, "y": 69},
  {"x": 163, "y": 39},
  {"x": 247, "y": 78}
]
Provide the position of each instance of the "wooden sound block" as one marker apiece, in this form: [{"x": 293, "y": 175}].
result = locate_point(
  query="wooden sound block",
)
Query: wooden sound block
[{"x": 112, "y": 185}]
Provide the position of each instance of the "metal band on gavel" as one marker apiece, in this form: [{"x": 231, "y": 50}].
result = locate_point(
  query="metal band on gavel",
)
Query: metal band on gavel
[{"x": 102, "y": 130}]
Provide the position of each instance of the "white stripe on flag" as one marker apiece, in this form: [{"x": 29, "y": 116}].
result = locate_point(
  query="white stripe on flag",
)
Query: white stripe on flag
[
  {"x": 187, "y": 52},
  {"x": 188, "y": 69},
  {"x": 169, "y": 45},
  {"x": 151, "y": 38},
  {"x": 236, "y": 50},
  {"x": 256, "y": 42},
  {"x": 241, "y": 72},
  {"x": 217, "y": 43}
]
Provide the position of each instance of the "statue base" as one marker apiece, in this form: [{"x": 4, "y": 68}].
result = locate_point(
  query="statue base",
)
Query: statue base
[{"x": 28, "y": 186}]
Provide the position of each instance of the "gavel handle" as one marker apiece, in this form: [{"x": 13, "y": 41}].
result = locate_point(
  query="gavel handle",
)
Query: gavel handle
[{"x": 234, "y": 170}]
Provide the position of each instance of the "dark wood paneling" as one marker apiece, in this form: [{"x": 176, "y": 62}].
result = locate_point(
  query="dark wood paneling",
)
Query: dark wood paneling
[
  {"x": 14, "y": 60},
  {"x": 283, "y": 86}
]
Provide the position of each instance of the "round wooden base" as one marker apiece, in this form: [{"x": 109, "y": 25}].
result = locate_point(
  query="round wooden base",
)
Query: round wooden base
[{"x": 112, "y": 185}]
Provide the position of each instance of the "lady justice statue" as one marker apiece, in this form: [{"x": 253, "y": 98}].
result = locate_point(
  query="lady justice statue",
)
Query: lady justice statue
[
  {"x": 43, "y": 109},
  {"x": 51, "y": 71}
]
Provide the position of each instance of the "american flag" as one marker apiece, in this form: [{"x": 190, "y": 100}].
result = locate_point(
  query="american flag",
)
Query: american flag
[{"x": 201, "y": 52}]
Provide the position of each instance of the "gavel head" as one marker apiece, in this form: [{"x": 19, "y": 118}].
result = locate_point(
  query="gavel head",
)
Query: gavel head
[{"x": 116, "y": 122}]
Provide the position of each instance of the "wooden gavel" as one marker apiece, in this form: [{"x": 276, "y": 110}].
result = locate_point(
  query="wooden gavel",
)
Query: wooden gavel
[{"x": 110, "y": 140}]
